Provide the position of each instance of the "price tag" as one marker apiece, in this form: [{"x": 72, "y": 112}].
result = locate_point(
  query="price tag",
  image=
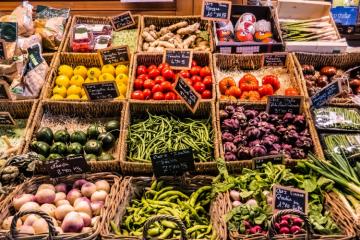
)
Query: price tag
[
  {"x": 188, "y": 94},
  {"x": 9, "y": 31},
  {"x": 3, "y": 54},
  {"x": 257, "y": 163},
  {"x": 216, "y": 10},
  {"x": 66, "y": 166},
  {"x": 4, "y": 90},
  {"x": 101, "y": 90},
  {"x": 114, "y": 55},
  {"x": 289, "y": 198},
  {"x": 122, "y": 21},
  {"x": 274, "y": 60},
  {"x": 325, "y": 94},
  {"x": 284, "y": 104},
  {"x": 6, "y": 119},
  {"x": 173, "y": 163},
  {"x": 35, "y": 58},
  {"x": 178, "y": 58}
]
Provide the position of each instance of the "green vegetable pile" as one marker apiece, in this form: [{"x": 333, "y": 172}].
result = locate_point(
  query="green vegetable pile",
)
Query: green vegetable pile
[
  {"x": 335, "y": 117},
  {"x": 164, "y": 133},
  {"x": 347, "y": 144},
  {"x": 125, "y": 37},
  {"x": 158, "y": 200}
]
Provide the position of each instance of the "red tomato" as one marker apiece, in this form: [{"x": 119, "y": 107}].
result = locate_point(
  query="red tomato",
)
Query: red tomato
[
  {"x": 141, "y": 70},
  {"x": 138, "y": 84},
  {"x": 139, "y": 95},
  {"x": 189, "y": 81},
  {"x": 195, "y": 79},
  {"x": 149, "y": 84},
  {"x": 272, "y": 80},
  {"x": 147, "y": 94},
  {"x": 205, "y": 71},
  {"x": 206, "y": 94},
  {"x": 248, "y": 83},
  {"x": 162, "y": 66},
  {"x": 195, "y": 70},
  {"x": 166, "y": 86},
  {"x": 168, "y": 74},
  {"x": 208, "y": 82},
  {"x": 184, "y": 73},
  {"x": 291, "y": 92},
  {"x": 153, "y": 73},
  {"x": 193, "y": 63},
  {"x": 151, "y": 67},
  {"x": 170, "y": 96},
  {"x": 143, "y": 76},
  {"x": 157, "y": 88},
  {"x": 158, "y": 96},
  {"x": 233, "y": 91},
  {"x": 266, "y": 90},
  {"x": 199, "y": 87},
  {"x": 159, "y": 79}
]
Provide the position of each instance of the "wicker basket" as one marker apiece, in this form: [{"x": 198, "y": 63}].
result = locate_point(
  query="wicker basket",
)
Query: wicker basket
[
  {"x": 133, "y": 188},
  {"x": 31, "y": 187},
  {"x": 147, "y": 59},
  {"x": 236, "y": 62},
  {"x": 164, "y": 21},
  {"x": 87, "y": 112},
  {"x": 344, "y": 61},
  {"x": 237, "y": 165},
  {"x": 205, "y": 110}
]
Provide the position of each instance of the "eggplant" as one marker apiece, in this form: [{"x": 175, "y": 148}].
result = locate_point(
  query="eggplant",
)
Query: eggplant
[
  {"x": 288, "y": 118},
  {"x": 308, "y": 69},
  {"x": 229, "y": 147},
  {"x": 252, "y": 132},
  {"x": 243, "y": 153},
  {"x": 298, "y": 153},
  {"x": 230, "y": 156},
  {"x": 223, "y": 114},
  {"x": 227, "y": 137},
  {"x": 230, "y": 109},
  {"x": 250, "y": 113},
  {"x": 258, "y": 151}
]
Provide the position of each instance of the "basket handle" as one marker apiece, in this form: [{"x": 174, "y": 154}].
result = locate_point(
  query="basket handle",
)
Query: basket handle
[
  {"x": 151, "y": 220},
  {"x": 276, "y": 217},
  {"x": 52, "y": 231}
]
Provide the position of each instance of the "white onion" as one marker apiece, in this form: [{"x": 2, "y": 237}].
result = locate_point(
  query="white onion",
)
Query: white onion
[
  {"x": 59, "y": 196},
  {"x": 83, "y": 206},
  {"x": 62, "y": 210},
  {"x": 30, "y": 219},
  {"x": 96, "y": 207},
  {"x": 7, "y": 222},
  {"x": 48, "y": 208},
  {"x": 19, "y": 200},
  {"x": 45, "y": 196},
  {"x": 102, "y": 185},
  {"x": 62, "y": 202},
  {"x": 86, "y": 218},
  {"x": 25, "y": 229},
  {"x": 99, "y": 196},
  {"x": 72, "y": 195}
]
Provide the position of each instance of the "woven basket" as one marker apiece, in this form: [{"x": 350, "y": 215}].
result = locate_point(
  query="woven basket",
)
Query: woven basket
[
  {"x": 147, "y": 59},
  {"x": 343, "y": 61},
  {"x": 165, "y": 21},
  {"x": 237, "y": 165},
  {"x": 205, "y": 110},
  {"x": 88, "y": 110},
  {"x": 31, "y": 187},
  {"x": 133, "y": 188},
  {"x": 79, "y": 19},
  {"x": 236, "y": 62}
]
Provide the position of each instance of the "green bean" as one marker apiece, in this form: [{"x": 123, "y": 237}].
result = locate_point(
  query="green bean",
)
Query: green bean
[{"x": 165, "y": 234}]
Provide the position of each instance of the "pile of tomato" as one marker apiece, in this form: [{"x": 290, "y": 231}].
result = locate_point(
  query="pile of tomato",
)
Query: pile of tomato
[
  {"x": 249, "y": 89},
  {"x": 158, "y": 82}
]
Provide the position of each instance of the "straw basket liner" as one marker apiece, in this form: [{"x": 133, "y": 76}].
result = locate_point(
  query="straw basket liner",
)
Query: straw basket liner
[
  {"x": 133, "y": 188},
  {"x": 32, "y": 185},
  {"x": 245, "y": 63},
  {"x": 165, "y": 21},
  {"x": 237, "y": 165},
  {"x": 147, "y": 59},
  {"x": 205, "y": 110},
  {"x": 87, "y": 113}
]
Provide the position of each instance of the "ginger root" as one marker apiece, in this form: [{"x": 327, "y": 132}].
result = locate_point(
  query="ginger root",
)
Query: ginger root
[
  {"x": 188, "y": 41},
  {"x": 194, "y": 28},
  {"x": 147, "y": 36},
  {"x": 167, "y": 36}
]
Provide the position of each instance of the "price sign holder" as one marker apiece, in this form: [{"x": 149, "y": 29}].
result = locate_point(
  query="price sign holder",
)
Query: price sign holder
[
  {"x": 114, "y": 55},
  {"x": 4, "y": 90},
  {"x": 283, "y": 104},
  {"x": 274, "y": 59},
  {"x": 216, "y": 10},
  {"x": 331, "y": 90},
  {"x": 257, "y": 163},
  {"x": 122, "y": 21},
  {"x": 6, "y": 119},
  {"x": 178, "y": 59},
  {"x": 66, "y": 166},
  {"x": 289, "y": 198},
  {"x": 188, "y": 94},
  {"x": 101, "y": 90}
]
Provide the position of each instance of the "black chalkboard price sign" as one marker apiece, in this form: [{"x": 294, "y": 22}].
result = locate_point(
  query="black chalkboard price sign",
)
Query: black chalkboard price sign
[
  {"x": 284, "y": 104},
  {"x": 274, "y": 60},
  {"x": 101, "y": 90},
  {"x": 216, "y": 10},
  {"x": 114, "y": 55},
  {"x": 4, "y": 90},
  {"x": 178, "y": 58},
  {"x": 66, "y": 166},
  {"x": 173, "y": 163},
  {"x": 289, "y": 198},
  {"x": 258, "y": 162},
  {"x": 325, "y": 94},
  {"x": 122, "y": 21},
  {"x": 2, "y": 50},
  {"x": 6, "y": 119},
  {"x": 188, "y": 94}
]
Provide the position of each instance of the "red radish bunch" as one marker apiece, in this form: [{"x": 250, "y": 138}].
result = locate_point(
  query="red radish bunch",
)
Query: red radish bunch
[
  {"x": 290, "y": 225},
  {"x": 158, "y": 82},
  {"x": 253, "y": 229}
]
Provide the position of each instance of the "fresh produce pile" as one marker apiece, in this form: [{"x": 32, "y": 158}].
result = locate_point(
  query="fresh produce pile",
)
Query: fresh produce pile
[
  {"x": 125, "y": 37},
  {"x": 11, "y": 137},
  {"x": 159, "y": 199},
  {"x": 181, "y": 35},
  {"x": 347, "y": 144},
  {"x": 248, "y": 133},
  {"x": 158, "y": 82},
  {"x": 68, "y": 83},
  {"x": 167, "y": 133},
  {"x": 73, "y": 208},
  {"x": 337, "y": 118},
  {"x": 95, "y": 144}
]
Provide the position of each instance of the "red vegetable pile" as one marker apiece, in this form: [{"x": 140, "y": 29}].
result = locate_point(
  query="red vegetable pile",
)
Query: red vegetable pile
[
  {"x": 290, "y": 225},
  {"x": 247, "y": 133}
]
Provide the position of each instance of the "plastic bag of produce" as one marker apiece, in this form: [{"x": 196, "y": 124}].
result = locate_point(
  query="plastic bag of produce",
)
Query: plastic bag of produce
[
  {"x": 25, "y": 42},
  {"x": 51, "y": 30},
  {"x": 24, "y": 19},
  {"x": 46, "y": 12},
  {"x": 11, "y": 70},
  {"x": 224, "y": 30}
]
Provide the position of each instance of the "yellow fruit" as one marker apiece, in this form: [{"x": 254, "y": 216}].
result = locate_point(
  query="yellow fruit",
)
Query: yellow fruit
[
  {"x": 73, "y": 97},
  {"x": 122, "y": 69},
  {"x": 84, "y": 97},
  {"x": 65, "y": 70},
  {"x": 62, "y": 80},
  {"x": 60, "y": 90},
  {"x": 91, "y": 80},
  {"x": 77, "y": 80},
  {"x": 122, "y": 78},
  {"x": 94, "y": 72},
  {"x": 73, "y": 90},
  {"x": 81, "y": 70},
  {"x": 57, "y": 97},
  {"x": 106, "y": 77},
  {"x": 108, "y": 68},
  {"x": 83, "y": 93},
  {"x": 122, "y": 88}
]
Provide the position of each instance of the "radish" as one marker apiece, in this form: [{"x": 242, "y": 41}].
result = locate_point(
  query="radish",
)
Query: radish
[
  {"x": 286, "y": 217},
  {"x": 277, "y": 226},
  {"x": 284, "y": 230},
  {"x": 255, "y": 229},
  {"x": 235, "y": 195},
  {"x": 298, "y": 221},
  {"x": 284, "y": 223},
  {"x": 246, "y": 224},
  {"x": 295, "y": 229}
]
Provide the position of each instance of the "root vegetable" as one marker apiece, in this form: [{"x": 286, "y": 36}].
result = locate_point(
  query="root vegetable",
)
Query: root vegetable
[
  {"x": 295, "y": 229},
  {"x": 73, "y": 222},
  {"x": 252, "y": 203},
  {"x": 29, "y": 206},
  {"x": 61, "y": 187},
  {"x": 86, "y": 218},
  {"x": 45, "y": 196},
  {"x": 40, "y": 226},
  {"x": 83, "y": 206},
  {"x": 20, "y": 200},
  {"x": 59, "y": 230},
  {"x": 30, "y": 219},
  {"x": 73, "y": 195},
  {"x": 94, "y": 220},
  {"x": 26, "y": 230},
  {"x": 59, "y": 196},
  {"x": 165, "y": 44},
  {"x": 235, "y": 195},
  {"x": 78, "y": 200},
  {"x": 88, "y": 189},
  {"x": 61, "y": 211},
  {"x": 284, "y": 230},
  {"x": 102, "y": 185},
  {"x": 7, "y": 222},
  {"x": 189, "y": 29},
  {"x": 49, "y": 209},
  {"x": 167, "y": 37},
  {"x": 46, "y": 186},
  {"x": 86, "y": 229},
  {"x": 236, "y": 203},
  {"x": 99, "y": 196},
  {"x": 188, "y": 41},
  {"x": 62, "y": 202},
  {"x": 78, "y": 183},
  {"x": 96, "y": 207},
  {"x": 148, "y": 37}
]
